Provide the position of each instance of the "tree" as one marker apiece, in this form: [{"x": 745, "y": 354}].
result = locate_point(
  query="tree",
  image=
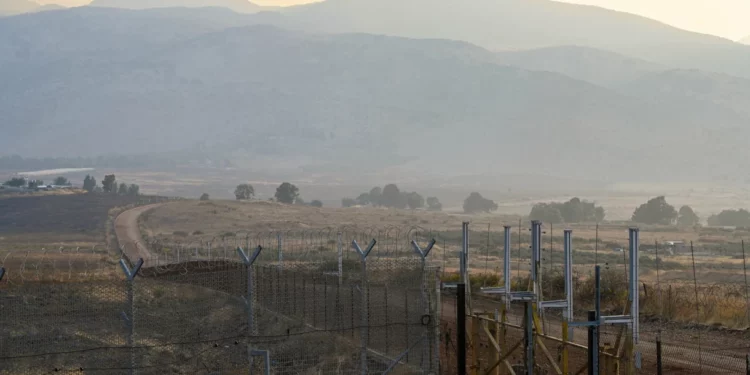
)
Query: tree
[
  {"x": 655, "y": 211},
  {"x": 433, "y": 204},
  {"x": 89, "y": 183},
  {"x": 204, "y": 197},
  {"x": 475, "y": 202},
  {"x": 33, "y": 184},
  {"x": 300, "y": 202},
  {"x": 287, "y": 193},
  {"x": 348, "y": 202},
  {"x": 731, "y": 218},
  {"x": 61, "y": 181},
  {"x": 109, "y": 184},
  {"x": 375, "y": 196},
  {"x": 687, "y": 217},
  {"x": 316, "y": 203},
  {"x": 414, "y": 200},
  {"x": 392, "y": 197},
  {"x": 244, "y": 192},
  {"x": 572, "y": 211},
  {"x": 363, "y": 199},
  {"x": 546, "y": 212},
  {"x": 15, "y": 182},
  {"x": 134, "y": 190},
  {"x": 123, "y": 189}
]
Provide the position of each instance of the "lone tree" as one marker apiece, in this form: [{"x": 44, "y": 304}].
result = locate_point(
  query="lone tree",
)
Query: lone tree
[
  {"x": 414, "y": 200},
  {"x": 392, "y": 197},
  {"x": 316, "y": 203},
  {"x": 15, "y": 182},
  {"x": 687, "y": 217},
  {"x": 61, "y": 181},
  {"x": 433, "y": 204},
  {"x": 348, "y": 202},
  {"x": 475, "y": 202},
  {"x": 123, "y": 189},
  {"x": 204, "y": 197},
  {"x": 109, "y": 184},
  {"x": 89, "y": 183},
  {"x": 244, "y": 192},
  {"x": 655, "y": 211},
  {"x": 287, "y": 193}
]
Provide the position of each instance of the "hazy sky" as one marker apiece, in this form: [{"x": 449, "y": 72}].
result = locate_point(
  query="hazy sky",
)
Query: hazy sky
[{"x": 726, "y": 18}]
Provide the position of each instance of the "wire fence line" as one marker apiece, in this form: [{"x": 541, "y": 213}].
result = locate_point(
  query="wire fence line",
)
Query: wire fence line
[
  {"x": 69, "y": 308},
  {"x": 210, "y": 311}
]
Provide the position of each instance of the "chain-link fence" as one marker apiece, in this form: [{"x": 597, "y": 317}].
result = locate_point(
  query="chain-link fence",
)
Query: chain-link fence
[{"x": 300, "y": 306}]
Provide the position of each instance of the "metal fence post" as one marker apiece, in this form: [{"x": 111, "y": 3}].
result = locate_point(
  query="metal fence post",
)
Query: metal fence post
[
  {"x": 251, "y": 329},
  {"x": 129, "y": 316},
  {"x": 461, "y": 328},
  {"x": 340, "y": 248},
  {"x": 365, "y": 291},
  {"x": 658, "y": 355},
  {"x": 281, "y": 253},
  {"x": 423, "y": 253}
]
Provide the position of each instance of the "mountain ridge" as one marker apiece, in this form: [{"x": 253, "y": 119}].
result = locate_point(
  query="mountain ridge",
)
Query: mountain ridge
[{"x": 175, "y": 80}]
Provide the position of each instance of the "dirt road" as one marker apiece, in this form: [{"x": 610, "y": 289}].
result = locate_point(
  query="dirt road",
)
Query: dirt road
[{"x": 129, "y": 234}]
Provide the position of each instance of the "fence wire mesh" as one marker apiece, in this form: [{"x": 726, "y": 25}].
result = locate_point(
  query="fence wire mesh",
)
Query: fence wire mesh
[{"x": 309, "y": 301}]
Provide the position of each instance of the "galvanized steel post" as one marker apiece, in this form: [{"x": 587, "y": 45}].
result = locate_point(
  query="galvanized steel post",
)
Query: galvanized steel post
[
  {"x": 633, "y": 292},
  {"x": 536, "y": 248},
  {"x": 423, "y": 253},
  {"x": 129, "y": 317},
  {"x": 506, "y": 266},
  {"x": 365, "y": 291}
]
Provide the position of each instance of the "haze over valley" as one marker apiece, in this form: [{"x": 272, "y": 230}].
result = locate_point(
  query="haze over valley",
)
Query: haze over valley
[{"x": 487, "y": 91}]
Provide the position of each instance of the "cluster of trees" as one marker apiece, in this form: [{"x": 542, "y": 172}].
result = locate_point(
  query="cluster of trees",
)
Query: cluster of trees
[
  {"x": 33, "y": 184},
  {"x": 110, "y": 186},
  {"x": 391, "y": 196},
  {"x": 658, "y": 211},
  {"x": 572, "y": 211},
  {"x": 733, "y": 218}
]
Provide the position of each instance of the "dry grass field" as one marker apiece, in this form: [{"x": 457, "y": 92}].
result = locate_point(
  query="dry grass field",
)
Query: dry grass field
[{"x": 719, "y": 263}]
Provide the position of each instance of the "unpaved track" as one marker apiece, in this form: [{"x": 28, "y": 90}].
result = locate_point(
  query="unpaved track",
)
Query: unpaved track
[{"x": 129, "y": 234}]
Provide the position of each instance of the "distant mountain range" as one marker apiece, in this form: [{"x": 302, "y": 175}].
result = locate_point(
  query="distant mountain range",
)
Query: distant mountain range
[{"x": 98, "y": 81}]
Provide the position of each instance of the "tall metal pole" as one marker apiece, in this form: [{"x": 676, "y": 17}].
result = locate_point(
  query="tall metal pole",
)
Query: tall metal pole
[
  {"x": 536, "y": 244},
  {"x": 281, "y": 253},
  {"x": 340, "y": 250},
  {"x": 633, "y": 292},
  {"x": 365, "y": 330},
  {"x": 461, "y": 328},
  {"x": 506, "y": 266}
]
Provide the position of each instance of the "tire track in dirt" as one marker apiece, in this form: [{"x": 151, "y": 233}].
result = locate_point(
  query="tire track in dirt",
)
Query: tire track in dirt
[{"x": 128, "y": 234}]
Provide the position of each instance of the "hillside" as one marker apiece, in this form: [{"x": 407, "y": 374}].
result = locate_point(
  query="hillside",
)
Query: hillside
[
  {"x": 587, "y": 64},
  {"x": 240, "y": 6},
  {"x": 745, "y": 40},
  {"x": 526, "y": 24},
  {"x": 165, "y": 81}
]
